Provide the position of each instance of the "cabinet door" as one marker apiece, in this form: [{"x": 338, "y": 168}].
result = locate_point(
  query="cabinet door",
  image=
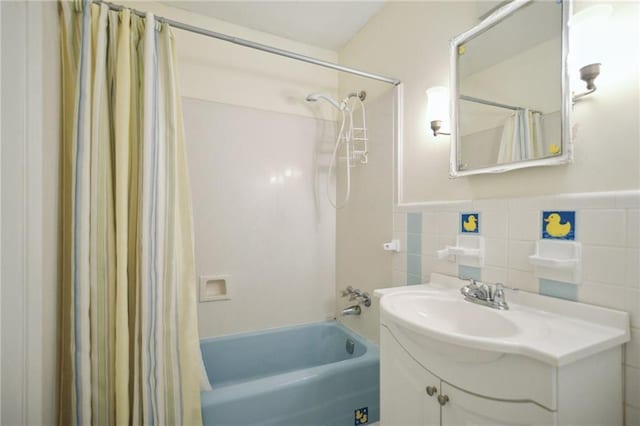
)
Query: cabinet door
[
  {"x": 404, "y": 400},
  {"x": 463, "y": 408}
]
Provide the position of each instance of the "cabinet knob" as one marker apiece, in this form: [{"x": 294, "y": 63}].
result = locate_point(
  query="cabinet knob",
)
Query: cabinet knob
[
  {"x": 432, "y": 390},
  {"x": 443, "y": 399}
]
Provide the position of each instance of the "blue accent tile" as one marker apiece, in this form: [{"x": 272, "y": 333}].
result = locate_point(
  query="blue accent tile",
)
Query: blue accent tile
[
  {"x": 558, "y": 289},
  {"x": 414, "y": 244},
  {"x": 470, "y": 223},
  {"x": 466, "y": 272},
  {"x": 414, "y": 264},
  {"x": 558, "y": 225},
  {"x": 414, "y": 279},
  {"x": 414, "y": 223}
]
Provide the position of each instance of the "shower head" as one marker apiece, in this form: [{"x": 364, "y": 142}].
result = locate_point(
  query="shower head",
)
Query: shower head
[{"x": 313, "y": 97}]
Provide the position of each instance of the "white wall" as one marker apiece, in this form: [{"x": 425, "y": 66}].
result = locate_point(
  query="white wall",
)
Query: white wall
[
  {"x": 30, "y": 144},
  {"x": 366, "y": 221},
  {"x": 261, "y": 215},
  {"x": 219, "y": 71},
  {"x": 410, "y": 41}
]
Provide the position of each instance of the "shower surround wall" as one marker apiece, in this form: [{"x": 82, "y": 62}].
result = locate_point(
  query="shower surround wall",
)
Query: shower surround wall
[
  {"x": 246, "y": 121},
  {"x": 261, "y": 215}
]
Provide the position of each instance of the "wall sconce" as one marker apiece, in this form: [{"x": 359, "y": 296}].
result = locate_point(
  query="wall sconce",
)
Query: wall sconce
[
  {"x": 588, "y": 44},
  {"x": 438, "y": 108}
]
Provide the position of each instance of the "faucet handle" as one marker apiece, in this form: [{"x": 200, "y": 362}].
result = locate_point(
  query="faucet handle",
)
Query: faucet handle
[
  {"x": 347, "y": 291},
  {"x": 498, "y": 294},
  {"x": 355, "y": 294},
  {"x": 472, "y": 282}
]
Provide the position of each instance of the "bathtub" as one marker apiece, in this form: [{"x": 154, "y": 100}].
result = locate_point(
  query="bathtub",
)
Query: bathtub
[{"x": 302, "y": 375}]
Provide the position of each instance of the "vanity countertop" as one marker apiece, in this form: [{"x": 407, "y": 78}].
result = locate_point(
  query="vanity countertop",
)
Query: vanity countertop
[{"x": 551, "y": 330}]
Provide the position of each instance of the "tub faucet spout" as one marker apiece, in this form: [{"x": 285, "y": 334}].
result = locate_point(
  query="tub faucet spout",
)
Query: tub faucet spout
[{"x": 352, "y": 310}]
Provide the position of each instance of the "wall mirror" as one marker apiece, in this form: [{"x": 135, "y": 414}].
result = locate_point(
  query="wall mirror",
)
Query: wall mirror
[{"x": 510, "y": 96}]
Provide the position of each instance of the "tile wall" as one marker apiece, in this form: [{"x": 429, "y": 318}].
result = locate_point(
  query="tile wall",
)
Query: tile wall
[{"x": 607, "y": 226}]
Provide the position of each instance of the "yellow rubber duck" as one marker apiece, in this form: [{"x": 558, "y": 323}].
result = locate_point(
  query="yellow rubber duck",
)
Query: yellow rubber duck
[
  {"x": 555, "y": 228},
  {"x": 470, "y": 224}
]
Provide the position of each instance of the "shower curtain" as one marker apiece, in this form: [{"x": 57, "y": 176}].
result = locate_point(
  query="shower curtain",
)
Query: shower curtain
[
  {"x": 521, "y": 137},
  {"x": 129, "y": 349}
]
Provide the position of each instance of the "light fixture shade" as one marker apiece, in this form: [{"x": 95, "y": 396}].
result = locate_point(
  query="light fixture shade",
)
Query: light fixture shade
[
  {"x": 438, "y": 106},
  {"x": 588, "y": 41}
]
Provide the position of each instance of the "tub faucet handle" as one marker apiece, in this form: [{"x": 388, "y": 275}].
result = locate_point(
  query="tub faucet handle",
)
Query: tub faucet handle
[
  {"x": 347, "y": 291},
  {"x": 355, "y": 294}
]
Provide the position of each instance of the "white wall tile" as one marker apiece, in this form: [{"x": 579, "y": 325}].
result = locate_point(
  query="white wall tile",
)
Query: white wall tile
[
  {"x": 524, "y": 224},
  {"x": 399, "y": 261},
  {"x": 448, "y": 223},
  {"x": 519, "y": 252},
  {"x": 429, "y": 223},
  {"x": 430, "y": 244},
  {"x": 491, "y": 204},
  {"x": 632, "y": 275},
  {"x": 632, "y": 386},
  {"x": 441, "y": 266},
  {"x": 633, "y": 228},
  {"x": 604, "y": 264},
  {"x": 584, "y": 200},
  {"x": 632, "y": 354},
  {"x": 522, "y": 280},
  {"x": 528, "y": 203},
  {"x": 398, "y": 278},
  {"x": 496, "y": 252},
  {"x": 602, "y": 227},
  {"x": 241, "y": 215},
  {"x": 494, "y": 223},
  {"x": 400, "y": 222},
  {"x": 492, "y": 274},
  {"x": 632, "y": 305},
  {"x": 628, "y": 200},
  {"x": 602, "y": 295}
]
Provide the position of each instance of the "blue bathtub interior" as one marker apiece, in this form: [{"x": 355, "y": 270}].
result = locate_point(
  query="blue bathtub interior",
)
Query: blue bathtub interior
[{"x": 301, "y": 375}]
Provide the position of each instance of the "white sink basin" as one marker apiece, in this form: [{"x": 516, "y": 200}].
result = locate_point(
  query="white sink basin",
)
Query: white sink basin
[
  {"x": 551, "y": 330},
  {"x": 456, "y": 316}
]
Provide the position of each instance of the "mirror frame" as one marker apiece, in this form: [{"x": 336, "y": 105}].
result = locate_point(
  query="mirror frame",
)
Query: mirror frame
[{"x": 567, "y": 144}]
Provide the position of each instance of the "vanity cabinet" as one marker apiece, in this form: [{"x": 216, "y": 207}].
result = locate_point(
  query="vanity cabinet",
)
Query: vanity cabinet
[{"x": 411, "y": 395}]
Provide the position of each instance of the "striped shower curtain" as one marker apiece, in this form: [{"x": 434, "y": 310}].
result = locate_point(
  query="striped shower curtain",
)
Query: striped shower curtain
[{"x": 129, "y": 349}]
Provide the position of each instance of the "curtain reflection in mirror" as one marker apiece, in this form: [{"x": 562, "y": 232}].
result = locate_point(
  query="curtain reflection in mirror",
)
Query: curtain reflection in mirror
[{"x": 521, "y": 137}]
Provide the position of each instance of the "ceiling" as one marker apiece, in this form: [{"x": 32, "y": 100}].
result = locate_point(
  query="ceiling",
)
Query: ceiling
[{"x": 327, "y": 24}]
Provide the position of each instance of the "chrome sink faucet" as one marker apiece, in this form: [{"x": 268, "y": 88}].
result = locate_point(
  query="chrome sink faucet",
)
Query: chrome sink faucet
[{"x": 485, "y": 294}]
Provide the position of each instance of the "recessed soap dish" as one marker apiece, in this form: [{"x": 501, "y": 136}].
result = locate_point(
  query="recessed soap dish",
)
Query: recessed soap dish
[
  {"x": 215, "y": 287},
  {"x": 558, "y": 260}
]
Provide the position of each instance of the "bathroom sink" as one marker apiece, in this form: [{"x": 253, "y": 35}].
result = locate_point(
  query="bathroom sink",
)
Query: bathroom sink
[
  {"x": 547, "y": 329},
  {"x": 454, "y": 315}
]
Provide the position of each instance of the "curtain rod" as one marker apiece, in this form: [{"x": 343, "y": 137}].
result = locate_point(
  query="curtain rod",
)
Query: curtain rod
[
  {"x": 257, "y": 46},
  {"x": 492, "y": 103}
]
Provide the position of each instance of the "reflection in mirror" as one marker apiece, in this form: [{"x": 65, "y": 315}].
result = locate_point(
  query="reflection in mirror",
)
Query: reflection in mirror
[{"x": 509, "y": 89}]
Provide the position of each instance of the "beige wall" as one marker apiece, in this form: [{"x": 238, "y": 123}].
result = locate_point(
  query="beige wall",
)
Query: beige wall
[
  {"x": 219, "y": 71},
  {"x": 410, "y": 41},
  {"x": 366, "y": 222}
]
